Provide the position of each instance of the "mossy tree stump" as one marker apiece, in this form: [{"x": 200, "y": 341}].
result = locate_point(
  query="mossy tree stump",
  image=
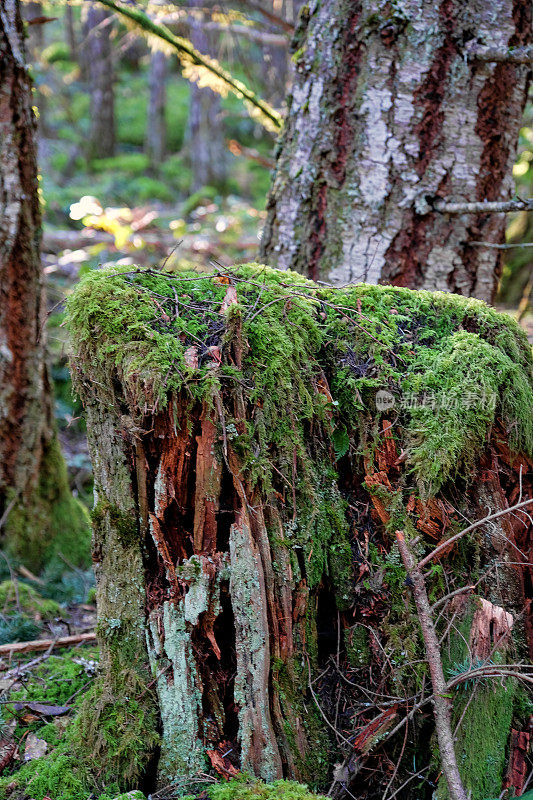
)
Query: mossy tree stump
[{"x": 256, "y": 441}]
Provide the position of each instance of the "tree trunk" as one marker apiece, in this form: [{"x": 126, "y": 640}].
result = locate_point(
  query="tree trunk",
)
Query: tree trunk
[
  {"x": 70, "y": 32},
  {"x": 34, "y": 11},
  {"x": 38, "y": 515},
  {"x": 205, "y": 135},
  {"x": 156, "y": 128},
  {"x": 250, "y": 479},
  {"x": 98, "y": 61},
  {"x": 390, "y": 111}
]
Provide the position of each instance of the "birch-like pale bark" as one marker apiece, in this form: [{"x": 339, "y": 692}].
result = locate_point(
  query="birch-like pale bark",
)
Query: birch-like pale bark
[{"x": 388, "y": 113}]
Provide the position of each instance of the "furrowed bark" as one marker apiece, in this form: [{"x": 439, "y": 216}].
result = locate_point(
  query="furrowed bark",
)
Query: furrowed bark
[
  {"x": 35, "y": 500},
  {"x": 387, "y": 114}
]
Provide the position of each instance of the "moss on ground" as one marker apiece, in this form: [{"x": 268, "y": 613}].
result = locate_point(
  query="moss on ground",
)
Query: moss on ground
[
  {"x": 60, "y": 680},
  {"x": 249, "y": 789},
  {"x": 19, "y": 597}
]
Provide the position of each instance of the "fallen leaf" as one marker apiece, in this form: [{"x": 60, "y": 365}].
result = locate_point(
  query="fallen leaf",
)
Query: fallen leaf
[
  {"x": 191, "y": 357},
  {"x": 35, "y": 747},
  {"x": 42, "y": 708}
]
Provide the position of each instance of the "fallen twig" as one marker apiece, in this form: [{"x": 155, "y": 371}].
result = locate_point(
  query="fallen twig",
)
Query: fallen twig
[
  {"x": 44, "y": 644},
  {"x": 441, "y": 700}
]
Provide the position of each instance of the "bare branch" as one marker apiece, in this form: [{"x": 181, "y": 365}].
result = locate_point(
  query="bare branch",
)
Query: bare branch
[
  {"x": 444, "y": 545},
  {"x": 495, "y": 246},
  {"x": 484, "y": 207},
  {"x": 514, "y": 55},
  {"x": 189, "y": 55},
  {"x": 273, "y": 18},
  {"x": 178, "y": 22},
  {"x": 441, "y": 702}
]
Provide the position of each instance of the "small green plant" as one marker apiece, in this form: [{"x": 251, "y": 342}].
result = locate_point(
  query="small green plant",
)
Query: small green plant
[{"x": 246, "y": 788}]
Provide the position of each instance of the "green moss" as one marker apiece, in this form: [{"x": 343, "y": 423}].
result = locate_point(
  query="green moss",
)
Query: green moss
[
  {"x": 52, "y": 525},
  {"x": 291, "y": 681},
  {"x": 452, "y": 364},
  {"x": 485, "y": 712},
  {"x": 115, "y": 733},
  {"x": 58, "y": 680},
  {"x": 133, "y": 163},
  {"x": 51, "y": 776},
  {"x": 452, "y": 367},
  {"x": 248, "y": 789},
  {"x": 482, "y": 739},
  {"x": 17, "y": 596},
  {"x": 123, "y": 523},
  {"x": 357, "y": 646}
]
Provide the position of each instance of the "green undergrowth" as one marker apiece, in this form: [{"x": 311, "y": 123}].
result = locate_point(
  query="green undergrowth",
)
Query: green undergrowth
[
  {"x": 249, "y": 789},
  {"x": 61, "y": 680},
  {"x": 16, "y": 596},
  {"x": 101, "y": 748},
  {"x": 23, "y": 612}
]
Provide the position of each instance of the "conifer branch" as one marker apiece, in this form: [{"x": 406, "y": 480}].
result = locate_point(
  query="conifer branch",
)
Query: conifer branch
[{"x": 189, "y": 56}]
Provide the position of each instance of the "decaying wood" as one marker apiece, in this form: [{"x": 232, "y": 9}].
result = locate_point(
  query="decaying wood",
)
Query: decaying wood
[
  {"x": 44, "y": 644},
  {"x": 490, "y": 630},
  {"x": 228, "y": 601},
  {"x": 518, "y": 768}
]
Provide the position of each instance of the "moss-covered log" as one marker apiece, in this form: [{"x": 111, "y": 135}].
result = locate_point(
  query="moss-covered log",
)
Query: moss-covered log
[{"x": 257, "y": 439}]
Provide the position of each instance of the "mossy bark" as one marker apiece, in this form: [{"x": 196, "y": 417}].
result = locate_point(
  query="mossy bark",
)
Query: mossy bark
[
  {"x": 40, "y": 518},
  {"x": 249, "y": 483},
  {"x": 391, "y": 110}
]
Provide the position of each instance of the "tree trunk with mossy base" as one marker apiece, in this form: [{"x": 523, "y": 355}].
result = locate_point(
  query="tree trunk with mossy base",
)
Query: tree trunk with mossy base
[
  {"x": 39, "y": 518},
  {"x": 393, "y": 108},
  {"x": 257, "y": 439}
]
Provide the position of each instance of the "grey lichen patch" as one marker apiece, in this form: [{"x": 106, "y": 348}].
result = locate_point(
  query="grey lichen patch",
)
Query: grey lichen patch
[
  {"x": 179, "y": 691},
  {"x": 249, "y": 605}
]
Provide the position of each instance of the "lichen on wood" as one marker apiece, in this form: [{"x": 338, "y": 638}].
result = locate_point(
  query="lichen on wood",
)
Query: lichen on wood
[{"x": 265, "y": 436}]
